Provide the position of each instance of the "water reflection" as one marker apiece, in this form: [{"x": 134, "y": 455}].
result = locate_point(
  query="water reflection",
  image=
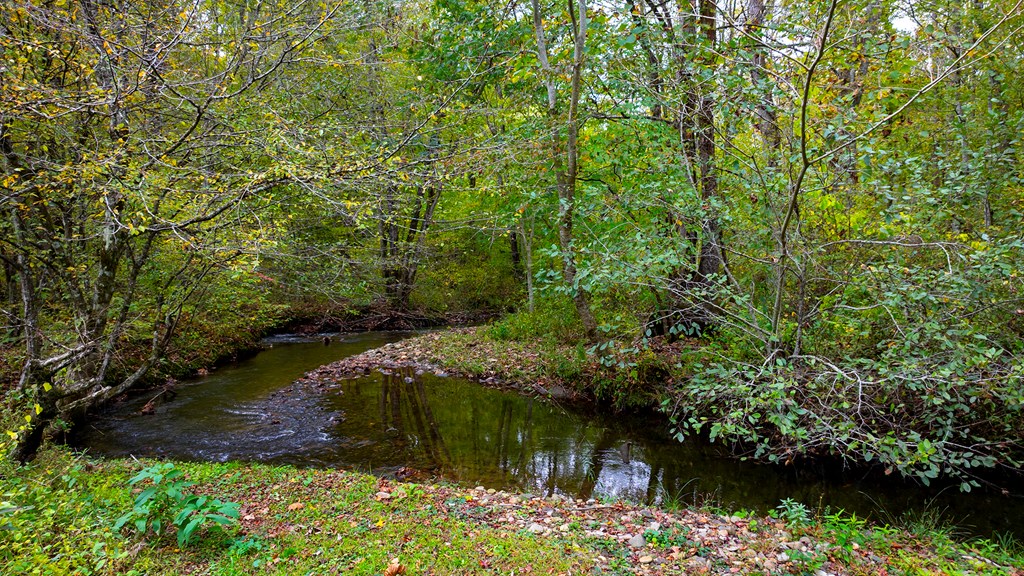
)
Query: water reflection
[{"x": 481, "y": 436}]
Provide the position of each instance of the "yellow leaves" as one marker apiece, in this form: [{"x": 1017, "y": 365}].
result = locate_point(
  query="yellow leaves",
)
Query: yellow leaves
[
  {"x": 47, "y": 387},
  {"x": 39, "y": 409}
]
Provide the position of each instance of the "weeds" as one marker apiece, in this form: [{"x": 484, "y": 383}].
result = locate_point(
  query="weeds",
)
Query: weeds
[{"x": 164, "y": 498}]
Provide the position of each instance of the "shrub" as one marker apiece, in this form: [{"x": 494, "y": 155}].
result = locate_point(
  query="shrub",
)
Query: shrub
[{"x": 165, "y": 498}]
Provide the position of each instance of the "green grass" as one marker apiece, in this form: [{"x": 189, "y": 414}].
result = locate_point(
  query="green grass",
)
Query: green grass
[
  {"x": 62, "y": 507},
  {"x": 57, "y": 517}
]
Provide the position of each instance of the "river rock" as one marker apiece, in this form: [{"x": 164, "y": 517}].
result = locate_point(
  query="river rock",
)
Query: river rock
[
  {"x": 536, "y": 528},
  {"x": 637, "y": 541},
  {"x": 557, "y": 392}
]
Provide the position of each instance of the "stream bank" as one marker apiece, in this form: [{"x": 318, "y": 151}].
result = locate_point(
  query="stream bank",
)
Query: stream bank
[
  {"x": 568, "y": 376},
  {"x": 377, "y": 402}
]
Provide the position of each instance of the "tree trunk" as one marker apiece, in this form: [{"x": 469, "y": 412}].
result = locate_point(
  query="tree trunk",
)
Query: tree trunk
[
  {"x": 566, "y": 178},
  {"x": 767, "y": 120}
]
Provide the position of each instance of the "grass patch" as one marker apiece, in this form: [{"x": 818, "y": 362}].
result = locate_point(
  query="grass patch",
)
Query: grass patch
[{"x": 58, "y": 514}]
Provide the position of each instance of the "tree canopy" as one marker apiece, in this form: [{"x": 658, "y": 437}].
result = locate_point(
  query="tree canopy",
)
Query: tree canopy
[{"x": 823, "y": 199}]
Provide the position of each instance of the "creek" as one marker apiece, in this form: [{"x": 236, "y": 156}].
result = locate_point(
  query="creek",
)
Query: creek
[{"x": 459, "y": 430}]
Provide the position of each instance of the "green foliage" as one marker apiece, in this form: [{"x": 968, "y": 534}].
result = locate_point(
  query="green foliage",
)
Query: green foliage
[
  {"x": 938, "y": 401},
  {"x": 667, "y": 538},
  {"x": 553, "y": 317},
  {"x": 795, "y": 514},
  {"x": 468, "y": 273},
  {"x": 846, "y": 532},
  {"x": 630, "y": 378},
  {"x": 163, "y": 498},
  {"x": 54, "y": 519}
]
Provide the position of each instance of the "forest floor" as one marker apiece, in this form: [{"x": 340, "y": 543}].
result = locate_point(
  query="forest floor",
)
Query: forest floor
[{"x": 57, "y": 518}]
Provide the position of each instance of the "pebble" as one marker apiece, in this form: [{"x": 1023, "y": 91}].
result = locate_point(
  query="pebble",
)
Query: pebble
[
  {"x": 698, "y": 564},
  {"x": 536, "y": 528},
  {"x": 646, "y": 559},
  {"x": 654, "y": 527},
  {"x": 637, "y": 541}
]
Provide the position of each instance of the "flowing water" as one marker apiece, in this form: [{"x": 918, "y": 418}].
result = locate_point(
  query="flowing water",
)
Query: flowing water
[{"x": 459, "y": 430}]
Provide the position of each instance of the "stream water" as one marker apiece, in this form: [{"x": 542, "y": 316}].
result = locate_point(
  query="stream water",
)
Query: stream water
[{"x": 466, "y": 433}]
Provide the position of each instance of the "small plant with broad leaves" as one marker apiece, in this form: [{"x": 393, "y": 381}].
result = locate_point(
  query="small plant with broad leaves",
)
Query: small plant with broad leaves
[
  {"x": 165, "y": 497},
  {"x": 795, "y": 514}
]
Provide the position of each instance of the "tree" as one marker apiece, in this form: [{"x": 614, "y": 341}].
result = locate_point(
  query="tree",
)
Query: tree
[
  {"x": 125, "y": 154},
  {"x": 564, "y": 153}
]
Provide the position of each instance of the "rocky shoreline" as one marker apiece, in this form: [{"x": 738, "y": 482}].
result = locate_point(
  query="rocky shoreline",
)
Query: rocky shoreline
[{"x": 479, "y": 361}]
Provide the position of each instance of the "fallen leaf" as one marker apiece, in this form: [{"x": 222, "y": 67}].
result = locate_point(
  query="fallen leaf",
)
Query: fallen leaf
[{"x": 296, "y": 506}]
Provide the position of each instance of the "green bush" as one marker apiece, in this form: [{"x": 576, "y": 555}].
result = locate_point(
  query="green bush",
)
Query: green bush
[{"x": 164, "y": 498}]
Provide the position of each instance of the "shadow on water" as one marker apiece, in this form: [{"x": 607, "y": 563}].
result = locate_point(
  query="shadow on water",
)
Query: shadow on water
[{"x": 459, "y": 430}]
